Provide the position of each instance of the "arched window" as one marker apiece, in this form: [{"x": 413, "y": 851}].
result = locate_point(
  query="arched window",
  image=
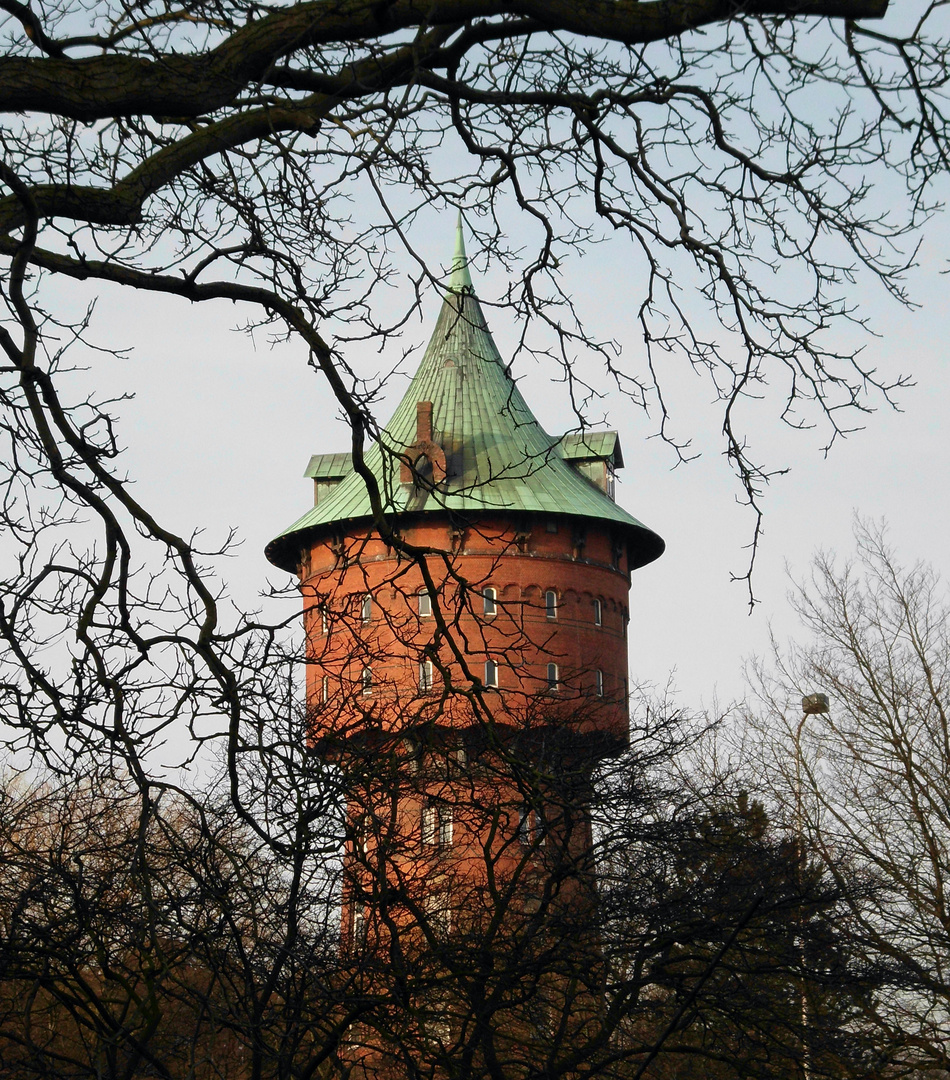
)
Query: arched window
[
  {"x": 366, "y": 611},
  {"x": 489, "y": 598},
  {"x": 367, "y": 681},
  {"x": 599, "y": 683},
  {"x": 598, "y": 612},
  {"x": 325, "y": 689},
  {"x": 425, "y": 603},
  {"x": 553, "y": 679},
  {"x": 491, "y": 673},
  {"x": 550, "y": 604}
]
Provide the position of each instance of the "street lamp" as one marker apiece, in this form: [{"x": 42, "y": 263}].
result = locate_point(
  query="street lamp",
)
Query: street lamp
[{"x": 812, "y": 705}]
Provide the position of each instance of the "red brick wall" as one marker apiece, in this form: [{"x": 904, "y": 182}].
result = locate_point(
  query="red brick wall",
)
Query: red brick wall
[{"x": 457, "y": 638}]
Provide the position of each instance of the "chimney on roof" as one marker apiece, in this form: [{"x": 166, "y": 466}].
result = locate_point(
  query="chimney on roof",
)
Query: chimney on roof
[
  {"x": 423, "y": 422},
  {"x": 424, "y": 448}
]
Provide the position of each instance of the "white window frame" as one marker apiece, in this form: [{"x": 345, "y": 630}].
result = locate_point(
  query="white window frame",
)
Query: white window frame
[
  {"x": 366, "y": 608},
  {"x": 358, "y": 924},
  {"x": 324, "y": 619},
  {"x": 325, "y": 689},
  {"x": 446, "y": 826},
  {"x": 366, "y": 680},
  {"x": 530, "y": 825},
  {"x": 430, "y": 824},
  {"x": 491, "y": 674},
  {"x": 426, "y": 676},
  {"x": 598, "y": 612},
  {"x": 554, "y": 679},
  {"x": 489, "y": 600},
  {"x": 438, "y": 908},
  {"x": 424, "y": 602},
  {"x": 551, "y": 604},
  {"x": 438, "y": 825},
  {"x": 599, "y": 683}
]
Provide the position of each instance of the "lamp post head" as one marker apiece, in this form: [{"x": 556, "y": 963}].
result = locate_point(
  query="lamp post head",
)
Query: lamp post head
[{"x": 814, "y": 704}]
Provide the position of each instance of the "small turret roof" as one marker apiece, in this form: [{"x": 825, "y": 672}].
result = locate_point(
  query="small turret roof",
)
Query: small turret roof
[{"x": 497, "y": 455}]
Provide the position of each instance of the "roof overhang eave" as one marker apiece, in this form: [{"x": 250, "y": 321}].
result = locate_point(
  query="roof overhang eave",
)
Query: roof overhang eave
[{"x": 283, "y": 551}]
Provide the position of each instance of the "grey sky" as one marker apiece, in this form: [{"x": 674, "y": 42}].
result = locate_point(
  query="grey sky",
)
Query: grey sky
[{"x": 222, "y": 427}]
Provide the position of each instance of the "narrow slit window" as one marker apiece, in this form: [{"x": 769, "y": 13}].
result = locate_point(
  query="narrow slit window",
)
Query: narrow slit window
[
  {"x": 325, "y": 689},
  {"x": 359, "y": 924},
  {"x": 366, "y": 611},
  {"x": 367, "y": 681},
  {"x": 437, "y": 825},
  {"x": 550, "y": 604},
  {"x": 599, "y": 683},
  {"x": 324, "y": 619},
  {"x": 489, "y": 601},
  {"x": 425, "y": 604},
  {"x": 491, "y": 673},
  {"x": 598, "y": 613},
  {"x": 430, "y": 824},
  {"x": 361, "y": 839},
  {"x": 530, "y": 825},
  {"x": 553, "y": 679},
  {"x": 425, "y": 676},
  {"x": 446, "y": 826},
  {"x": 439, "y": 914}
]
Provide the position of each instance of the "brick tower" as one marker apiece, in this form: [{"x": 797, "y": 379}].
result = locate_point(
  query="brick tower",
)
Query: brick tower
[{"x": 466, "y": 629}]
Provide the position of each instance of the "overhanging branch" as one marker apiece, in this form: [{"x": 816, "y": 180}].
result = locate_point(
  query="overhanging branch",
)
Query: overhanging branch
[{"x": 98, "y": 87}]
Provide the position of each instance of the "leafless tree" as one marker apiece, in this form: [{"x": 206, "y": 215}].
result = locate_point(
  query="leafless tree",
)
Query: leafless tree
[
  {"x": 867, "y": 782},
  {"x": 214, "y": 153},
  {"x": 160, "y": 936},
  {"x": 278, "y": 158},
  {"x": 217, "y": 152}
]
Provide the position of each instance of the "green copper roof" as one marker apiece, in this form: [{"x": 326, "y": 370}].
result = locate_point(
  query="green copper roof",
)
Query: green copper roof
[
  {"x": 329, "y": 466},
  {"x": 497, "y": 456},
  {"x": 592, "y": 446}
]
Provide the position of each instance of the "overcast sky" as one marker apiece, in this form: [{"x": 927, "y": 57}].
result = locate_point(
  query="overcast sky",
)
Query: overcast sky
[{"x": 221, "y": 428}]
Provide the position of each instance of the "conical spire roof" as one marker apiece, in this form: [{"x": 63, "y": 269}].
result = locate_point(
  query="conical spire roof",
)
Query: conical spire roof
[{"x": 497, "y": 457}]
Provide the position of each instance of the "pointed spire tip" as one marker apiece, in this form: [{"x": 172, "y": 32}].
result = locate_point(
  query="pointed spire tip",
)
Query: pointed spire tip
[{"x": 460, "y": 278}]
